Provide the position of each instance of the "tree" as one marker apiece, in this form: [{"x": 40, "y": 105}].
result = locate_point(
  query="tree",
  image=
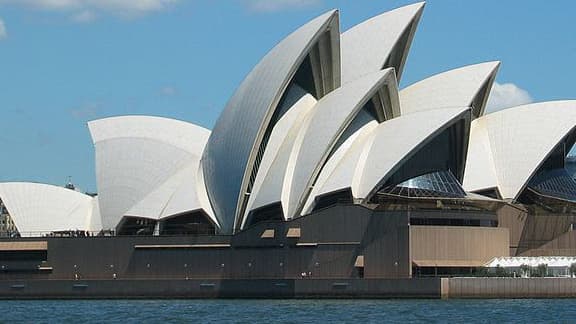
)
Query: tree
[
  {"x": 573, "y": 269},
  {"x": 542, "y": 270},
  {"x": 501, "y": 272},
  {"x": 525, "y": 270},
  {"x": 481, "y": 272}
]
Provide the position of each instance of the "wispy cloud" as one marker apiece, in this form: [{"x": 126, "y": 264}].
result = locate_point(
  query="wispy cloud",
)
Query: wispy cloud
[
  {"x": 168, "y": 91},
  {"x": 85, "y": 16},
  {"x": 87, "y": 111},
  {"x": 87, "y": 10},
  {"x": 506, "y": 95},
  {"x": 279, "y": 5},
  {"x": 3, "y": 32}
]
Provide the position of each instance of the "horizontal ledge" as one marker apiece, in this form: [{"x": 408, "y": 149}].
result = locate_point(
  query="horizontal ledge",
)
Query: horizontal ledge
[
  {"x": 449, "y": 263},
  {"x": 307, "y": 244},
  {"x": 25, "y": 270},
  {"x": 207, "y": 285},
  {"x": 183, "y": 246},
  {"x": 326, "y": 243},
  {"x": 340, "y": 284}
]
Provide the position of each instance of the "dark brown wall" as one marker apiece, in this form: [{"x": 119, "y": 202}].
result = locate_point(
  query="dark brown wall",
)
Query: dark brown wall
[
  {"x": 541, "y": 229},
  {"x": 330, "y": 242},
  {"x": 231, "y": 288},
  {"x": 513, "y": 218},
  {"x": 564, "y": 245},
  {"x": 387, "y": 254},
  {"x": 531, "y": 227}
]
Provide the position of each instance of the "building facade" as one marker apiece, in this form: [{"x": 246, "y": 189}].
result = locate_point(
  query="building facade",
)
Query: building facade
[{"x": 319, "y": 166}]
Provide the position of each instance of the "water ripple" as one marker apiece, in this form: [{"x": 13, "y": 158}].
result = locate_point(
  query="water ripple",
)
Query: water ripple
[{"x": 289, "y": 311}]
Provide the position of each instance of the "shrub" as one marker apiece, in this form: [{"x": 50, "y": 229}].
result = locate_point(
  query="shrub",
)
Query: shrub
[
  {"x": 573, "y": 269},
  {"x": 525, "y": 270},
  {"x": 541, "y": 270}
]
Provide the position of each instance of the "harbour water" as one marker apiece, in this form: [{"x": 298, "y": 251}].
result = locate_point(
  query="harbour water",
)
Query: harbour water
[{"x": 288, "y": 311}]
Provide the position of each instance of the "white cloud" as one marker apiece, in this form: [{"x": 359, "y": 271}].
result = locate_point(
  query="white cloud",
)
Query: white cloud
[
  {"x": 506, "y": 95},
  {"x": 3, "y": 32},
  {"x": 87, "y": 10},
  {"x": 279, "y": 5},
  {"x": 85, "y": 16}
]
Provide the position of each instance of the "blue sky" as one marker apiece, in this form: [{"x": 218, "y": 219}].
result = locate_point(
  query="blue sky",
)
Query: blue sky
[{"x": 64, "y": 62}]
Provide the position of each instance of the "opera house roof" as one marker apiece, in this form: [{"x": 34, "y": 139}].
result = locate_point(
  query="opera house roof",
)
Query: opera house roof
[
  {"x": 321, "y": 113},
  {"x": 508, "y": 147}
]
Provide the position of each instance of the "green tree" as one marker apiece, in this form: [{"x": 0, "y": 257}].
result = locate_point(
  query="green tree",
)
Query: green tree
[
  {"x": 525, "y": 270},
  {"x": 542, "y": 270},
  {"x": 501, "y": 272},
  {"x": 481, "y": 272},
  {"x": 573, "y": 269}
]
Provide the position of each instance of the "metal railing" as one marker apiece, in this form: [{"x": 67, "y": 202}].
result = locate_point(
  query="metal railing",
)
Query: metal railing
[{"x": 86, "y": 234}]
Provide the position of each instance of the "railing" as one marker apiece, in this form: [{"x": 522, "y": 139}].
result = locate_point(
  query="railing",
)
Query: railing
[
  {"x": 64, "y": 233},
  {"x": 84, "y": 234}
]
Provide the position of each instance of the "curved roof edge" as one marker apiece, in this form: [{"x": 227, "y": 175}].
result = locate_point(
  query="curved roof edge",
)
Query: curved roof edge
[
  {"x": 38, "y": 207},
  {"x": 380, "y": 42},
  {"x": 467, "y": 86},
  {"x": 535, "y": 131},
  {"x": 136, "y": 155},
  {"x": 239, "y": 134},
  {"x": 343, "y": 168},
  {"x": 480, "y": 172},
  {"x": 375, "y": 156},
  {"x": 399, "y": 139},
  {"x": 275, "y": 165},
  {"x": 178, "y": 133},
  {"x": 202, "y": 195},
  {"x": 181, "y": 193},
  {"x": 322, "y": 133}
]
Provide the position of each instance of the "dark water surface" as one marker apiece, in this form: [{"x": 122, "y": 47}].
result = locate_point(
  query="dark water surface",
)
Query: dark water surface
[{"x": 288, "y": 311}]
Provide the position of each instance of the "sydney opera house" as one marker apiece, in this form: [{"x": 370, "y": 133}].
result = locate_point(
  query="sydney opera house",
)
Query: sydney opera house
[{"x": 319, "y": 166}]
